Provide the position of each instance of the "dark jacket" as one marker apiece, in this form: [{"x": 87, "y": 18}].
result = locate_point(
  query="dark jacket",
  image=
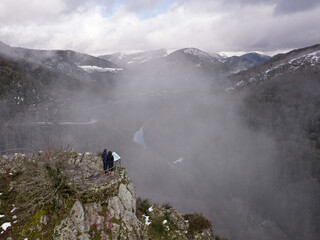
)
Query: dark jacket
[
  {"x": 110, "y": 158},
  {"x": 104, "y": 156}
]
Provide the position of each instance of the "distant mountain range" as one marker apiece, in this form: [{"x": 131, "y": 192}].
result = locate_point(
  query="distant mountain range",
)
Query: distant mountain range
[{"x": 234, "y": 64}]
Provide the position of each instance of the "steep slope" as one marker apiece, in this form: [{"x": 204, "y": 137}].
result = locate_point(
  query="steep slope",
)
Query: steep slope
[
  {"x": 281, "y": 97},
  {"x": 73, "y": 64},
  {"x": 32, "y": 92},
  {"x": 306, "y": 59}
]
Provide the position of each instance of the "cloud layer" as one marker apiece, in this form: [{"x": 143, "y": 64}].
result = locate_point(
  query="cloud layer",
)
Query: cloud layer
[{"x": 99, "y": 27}]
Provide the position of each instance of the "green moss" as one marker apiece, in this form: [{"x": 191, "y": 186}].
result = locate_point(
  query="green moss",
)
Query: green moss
[
  {"x": 125, "y": 182},
  {"x": 116, "y": 221},
  {"x": 156, "y": 230},
  {"x": 33, "y": 229},
  {"x": 36, "y": 218},
  {"x": 94, "y": 233}
]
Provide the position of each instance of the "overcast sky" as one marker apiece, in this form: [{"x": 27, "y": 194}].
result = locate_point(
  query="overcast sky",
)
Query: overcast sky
[{"x": 108, "y": 26}]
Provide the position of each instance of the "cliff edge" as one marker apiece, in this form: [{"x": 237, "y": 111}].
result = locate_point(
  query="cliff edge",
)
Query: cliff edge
[{"x": 63, "y": 194}]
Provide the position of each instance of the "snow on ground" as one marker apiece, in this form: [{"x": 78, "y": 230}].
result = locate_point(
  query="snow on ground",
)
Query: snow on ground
[
  {"x": 91, "y": 69},
  {"x": 164, "y": 221},
  {"x": 13, "y": 209},
  {"x": 5, "y": 225},
  {"x": 0, "y": 193},
  {"x": 150, "y": 209},
  {"x": 198, "y": 53},
  {"x": 1, "y": 216},
  {"x": 311, "y": 59},
  {"x": 147, "y": 220}
]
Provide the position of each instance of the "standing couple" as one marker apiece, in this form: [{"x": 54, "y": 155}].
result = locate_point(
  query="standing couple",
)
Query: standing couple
[{"x": 107, "y": 159}]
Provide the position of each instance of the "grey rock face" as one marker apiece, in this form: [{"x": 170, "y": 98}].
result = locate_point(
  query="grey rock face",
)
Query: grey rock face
[
  {"x": 75, "y": 226},
  {"x": 112, "y": 217}
]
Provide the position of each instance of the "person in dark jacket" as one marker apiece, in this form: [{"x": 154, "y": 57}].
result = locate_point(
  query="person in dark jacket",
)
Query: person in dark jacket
[
  {"x": 104, "y": 160},
  {"x": 110, "y": 161}
]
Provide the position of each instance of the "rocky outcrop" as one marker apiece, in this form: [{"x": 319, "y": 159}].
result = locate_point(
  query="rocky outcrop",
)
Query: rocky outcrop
[
  {"x": 86, "y": 203},
  {"x": 110, "y": 217}
]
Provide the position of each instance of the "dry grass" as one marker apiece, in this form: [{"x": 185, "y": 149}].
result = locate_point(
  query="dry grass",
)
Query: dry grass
[{"x": 43, "y": 183}]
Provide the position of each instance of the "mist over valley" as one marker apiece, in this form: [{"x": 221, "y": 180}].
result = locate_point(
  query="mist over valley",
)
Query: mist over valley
[{"x": 234, "y": 138}]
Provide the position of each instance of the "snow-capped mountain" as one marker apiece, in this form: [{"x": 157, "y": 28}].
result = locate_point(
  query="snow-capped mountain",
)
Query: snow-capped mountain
[
  {"x": 294, "y": 61},
  {"x": 196, "y": 55},
  {"x": 123, "y": 59}
]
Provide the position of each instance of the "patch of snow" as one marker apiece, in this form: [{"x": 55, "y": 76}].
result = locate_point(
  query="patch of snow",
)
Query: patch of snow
[
  {"x": 186, "y": 221},
  {"x": 240, "y": 83},
  {"x": 1, "y": 216},
  {"x": 0, "y": 193},
  {"x": 147, "y": 220},
  {"x": 150, "y": 209},
  {"x": 197, "y": 52},
  {"x": 145, "y": 60},
  {"x": 164, "y": 221},
  {"x": 10, "y": 173},
  {"x": 13, "y": 209},
  {"x": 14, "y": 217},
  {"x": 5, "y": 225},
  {"x": 91, "y": 69}
]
